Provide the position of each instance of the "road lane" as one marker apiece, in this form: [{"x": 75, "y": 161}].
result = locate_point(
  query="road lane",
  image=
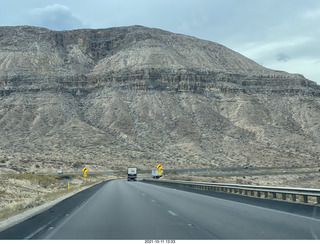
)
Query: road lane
[
  {"x": 235, "y": 220},
  {"x": 120, "y": 211},
  {"x": 137, "y": 210}
]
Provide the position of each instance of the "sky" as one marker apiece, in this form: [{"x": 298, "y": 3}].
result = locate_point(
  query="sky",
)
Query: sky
[{"x": 278, "y": 34}]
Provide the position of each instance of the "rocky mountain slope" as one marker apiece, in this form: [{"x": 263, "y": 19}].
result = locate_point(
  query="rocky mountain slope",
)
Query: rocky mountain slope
[{"x": 110, "y": 98}]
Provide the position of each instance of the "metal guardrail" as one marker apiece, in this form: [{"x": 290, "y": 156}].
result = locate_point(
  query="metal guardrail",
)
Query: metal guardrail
[{"x": 249, "y": 190}]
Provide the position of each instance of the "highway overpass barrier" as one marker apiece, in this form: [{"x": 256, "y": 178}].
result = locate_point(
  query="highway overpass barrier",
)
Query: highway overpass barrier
[{"x": 305, "y": 195}]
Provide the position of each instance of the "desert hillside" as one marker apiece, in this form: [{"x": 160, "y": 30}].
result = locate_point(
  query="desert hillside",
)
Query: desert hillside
[{"x": 111, "y": 98}]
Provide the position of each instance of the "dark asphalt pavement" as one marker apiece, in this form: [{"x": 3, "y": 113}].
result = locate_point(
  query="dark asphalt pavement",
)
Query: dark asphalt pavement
[{"x": 138, "y": 210}]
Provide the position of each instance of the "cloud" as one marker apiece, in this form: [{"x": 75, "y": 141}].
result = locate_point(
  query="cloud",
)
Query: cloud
[
  {"x": 260, "y": 51},
  {"x": 282, "y": 57},
  {"x": 55, "y": 17},
  {"x": 295, "y": 55}
]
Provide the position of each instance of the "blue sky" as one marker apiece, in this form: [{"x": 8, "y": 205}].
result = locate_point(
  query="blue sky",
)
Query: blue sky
[{"x": 278, "y": 34}]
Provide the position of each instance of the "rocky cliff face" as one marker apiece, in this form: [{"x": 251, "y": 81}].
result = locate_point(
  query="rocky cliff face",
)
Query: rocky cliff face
[{"x": 114, "y": 97}]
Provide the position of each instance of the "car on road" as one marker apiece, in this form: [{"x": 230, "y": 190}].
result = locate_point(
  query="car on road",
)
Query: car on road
[{"x": 60, "y": 172}]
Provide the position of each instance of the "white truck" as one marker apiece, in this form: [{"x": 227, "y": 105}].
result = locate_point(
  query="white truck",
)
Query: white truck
[
  {"x": 156, "y": 174},
  {"x": 132, "y": 173}
]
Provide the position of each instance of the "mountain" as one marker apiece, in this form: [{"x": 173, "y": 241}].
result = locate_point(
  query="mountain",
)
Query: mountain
[{"x": 111, "y": 98}]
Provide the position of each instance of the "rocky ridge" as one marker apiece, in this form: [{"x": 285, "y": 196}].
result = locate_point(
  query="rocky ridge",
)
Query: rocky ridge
[{"x": 135, "y": 95}]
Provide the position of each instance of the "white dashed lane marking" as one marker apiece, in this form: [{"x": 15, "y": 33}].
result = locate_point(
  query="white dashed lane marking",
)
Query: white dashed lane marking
[{"x": 172, "y": 213}]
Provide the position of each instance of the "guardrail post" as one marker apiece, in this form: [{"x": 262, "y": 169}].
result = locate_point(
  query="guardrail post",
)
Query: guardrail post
[
  {"x": 266, "y": 194},
  {"x": 294, "y": 197},
  {"x": 305, "y": 198},
  {"x": 252, "y": 193},
  {"x": 284, "y": 196},
  {"x": 274, "y": 194},
  {"x": 318, "y": 200},
  {"x": 259, "y": 193}
]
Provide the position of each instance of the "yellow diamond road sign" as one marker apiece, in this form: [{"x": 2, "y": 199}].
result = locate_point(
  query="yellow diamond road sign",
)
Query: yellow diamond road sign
[
  {"x": 159, "y": 166},
  {"x": 85, "y": 170}
]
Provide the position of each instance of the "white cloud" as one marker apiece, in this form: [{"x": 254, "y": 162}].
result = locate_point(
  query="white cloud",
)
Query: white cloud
[
  {"x": 258, "y": 51},
  {"x": 55, "y": 17}
]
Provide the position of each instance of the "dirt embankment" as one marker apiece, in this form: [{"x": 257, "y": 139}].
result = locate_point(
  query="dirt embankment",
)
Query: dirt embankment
[{"x": 20, "y": 192}]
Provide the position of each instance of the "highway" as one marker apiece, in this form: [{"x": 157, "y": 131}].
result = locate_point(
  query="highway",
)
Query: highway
[{"x": 136, "y": 210}]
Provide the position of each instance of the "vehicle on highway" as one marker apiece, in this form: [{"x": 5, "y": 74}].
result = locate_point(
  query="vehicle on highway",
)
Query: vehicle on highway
[
  {"x": 60, "y": 172},
  {"x": 156, "y": 174},
  {"x": 132, "y": 173}
]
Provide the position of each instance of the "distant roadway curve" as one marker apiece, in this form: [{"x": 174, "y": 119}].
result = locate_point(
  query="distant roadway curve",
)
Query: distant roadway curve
[{"x": 136, "y": 210}]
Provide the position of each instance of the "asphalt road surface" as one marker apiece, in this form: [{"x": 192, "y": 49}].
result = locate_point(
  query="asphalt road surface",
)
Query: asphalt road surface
[{"x": 138, "y": 210}]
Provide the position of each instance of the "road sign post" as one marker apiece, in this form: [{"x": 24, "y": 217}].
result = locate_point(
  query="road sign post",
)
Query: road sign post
[
  {"x": 159, "y": 167},
  {"x": 85, "y": 170}
]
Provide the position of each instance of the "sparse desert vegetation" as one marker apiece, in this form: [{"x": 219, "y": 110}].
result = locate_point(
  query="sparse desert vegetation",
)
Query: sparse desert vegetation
[
  {"x": 20, "y": 192},
  {"x": 97, "y": 96}
]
